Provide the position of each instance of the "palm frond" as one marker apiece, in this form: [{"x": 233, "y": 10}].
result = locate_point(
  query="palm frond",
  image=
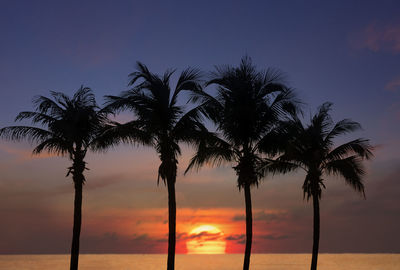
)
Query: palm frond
[
  {"x": 273, "y": 142},
  {"x": 191, "y": 119},
  {"x": 167, "y": 76},
  {"x": 277, "y": 166},
  {"x": 322, "y": 121},
  {"x": 46, "y": 105},
  {"x": 272, "y": 81},
  {"x": 351, "y": 169},
  {"x": 213, "y": 151},
  {"x": 115, "y": 133},
  {"x": 342, "y": 127},
  {"x": 287, "y": 105},
  {"x": 209, "y": 106},
  {"x": 360, "y": 147},
  {"x": 85, "y": 97},
  {"x": 62, "y": 99},
  {"x": 54, "y": 145},
  {"x": 188, "y": 80},
  {"x": 142, "y": 72},
  {"x": 36, "y": 117},
  {"x": 115, "y": 104},
  {"x": 18, "y": 133}
]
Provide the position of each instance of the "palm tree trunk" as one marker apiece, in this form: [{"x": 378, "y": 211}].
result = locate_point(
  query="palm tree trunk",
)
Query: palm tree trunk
[
  {"x": 77, "y": 169},
  {"x": 249, "y": 227},
  {"x": 77, "y": 225},
  {"x": 171, "y": 224},
  {"x": 316, "y": 232}
]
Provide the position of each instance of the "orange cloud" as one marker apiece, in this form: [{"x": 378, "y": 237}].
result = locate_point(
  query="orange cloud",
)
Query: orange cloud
[{"x": 22, "y": 154}]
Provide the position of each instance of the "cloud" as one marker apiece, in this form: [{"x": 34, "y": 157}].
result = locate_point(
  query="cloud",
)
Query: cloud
[
  {"x": 141, "y": 237},
  {"x": 267, "y": 216},
  {"x": 204, "y": 236},
  {"x": 394, "y": 84},
  {"x": 23, "y": 154},
  {"x": 113, "y": 242},
  {"x": 241, "y": 238},
  {"x": 378, "y": 37},
  {"x": 274, "y": 236},
  {"x": 101, "y": 182},
  {"x": 238, "y": 238}
]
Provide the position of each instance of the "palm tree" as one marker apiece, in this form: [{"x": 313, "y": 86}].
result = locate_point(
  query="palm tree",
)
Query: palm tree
[
  {"x": 69, "y": 127},
  {"x": 246, "y": 110},
  {"x": 161, "y": 123},
  {"x": 312, "y": 149}
]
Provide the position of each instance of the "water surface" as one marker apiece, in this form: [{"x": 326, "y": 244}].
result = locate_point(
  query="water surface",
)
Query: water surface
[{"x": 200, "y": 262}]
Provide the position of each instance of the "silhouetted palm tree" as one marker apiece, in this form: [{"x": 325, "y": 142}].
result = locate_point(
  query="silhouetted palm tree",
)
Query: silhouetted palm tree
[
  {"x": 312, "y": 149},
  {"x": 69, "y": 127},
  {"x": 162, "y": 123},
  {"x": 246, "y": 110}
]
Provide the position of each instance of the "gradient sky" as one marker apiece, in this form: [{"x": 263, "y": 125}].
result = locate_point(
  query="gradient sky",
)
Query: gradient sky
[{"x": 346, "y": 52}]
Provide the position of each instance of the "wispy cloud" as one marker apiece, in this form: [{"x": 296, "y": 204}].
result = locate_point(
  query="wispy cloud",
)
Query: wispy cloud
[
  {"x": 22, "y": 154},
  {"x": 274, "y": 236},
  {"x": 378, "y": 37},
  {"x": 203, "y": 236},
  {"x": 267, "y": 216},
  {"x": 394, "y": 84},
  {"x": 117, "y": 243},
  {"x": 239, "y": 238}
]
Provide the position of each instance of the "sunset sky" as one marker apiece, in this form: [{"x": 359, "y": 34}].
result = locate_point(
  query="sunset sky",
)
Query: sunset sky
[{"x": 346, "y": 52}]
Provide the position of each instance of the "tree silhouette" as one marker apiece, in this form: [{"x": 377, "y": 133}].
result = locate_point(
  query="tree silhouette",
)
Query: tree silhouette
[
  {"x": 162, "y": 123},
  {"x": 246, "y": 110},
  {"x": 69, "y": 126},
  {"x": 312, "y": 149}
]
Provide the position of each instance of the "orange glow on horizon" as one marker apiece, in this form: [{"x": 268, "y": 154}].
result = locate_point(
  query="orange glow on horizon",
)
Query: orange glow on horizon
[{"x": 206, "y": 239}]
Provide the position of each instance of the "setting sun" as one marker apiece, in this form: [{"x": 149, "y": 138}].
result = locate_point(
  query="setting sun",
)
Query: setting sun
[{"x": 206, "y": 239}]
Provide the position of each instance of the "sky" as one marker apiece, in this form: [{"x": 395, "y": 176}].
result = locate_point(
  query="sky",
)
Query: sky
[{"x": 345, "y": 52}]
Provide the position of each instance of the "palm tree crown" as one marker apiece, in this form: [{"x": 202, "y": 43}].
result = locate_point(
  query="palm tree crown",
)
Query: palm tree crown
[
  {"x": 312, "y": 149},
  {"x": 159, "y": 120},
  {"x": 69, "y": 124},
  {"x": 246, "y": 110}
]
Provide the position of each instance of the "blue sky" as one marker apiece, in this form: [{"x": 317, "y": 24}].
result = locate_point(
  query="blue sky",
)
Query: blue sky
[{"x": 346, "y": 52}]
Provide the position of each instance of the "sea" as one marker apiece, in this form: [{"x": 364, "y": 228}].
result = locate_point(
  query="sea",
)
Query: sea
[{"x": 203, "y": 262}]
